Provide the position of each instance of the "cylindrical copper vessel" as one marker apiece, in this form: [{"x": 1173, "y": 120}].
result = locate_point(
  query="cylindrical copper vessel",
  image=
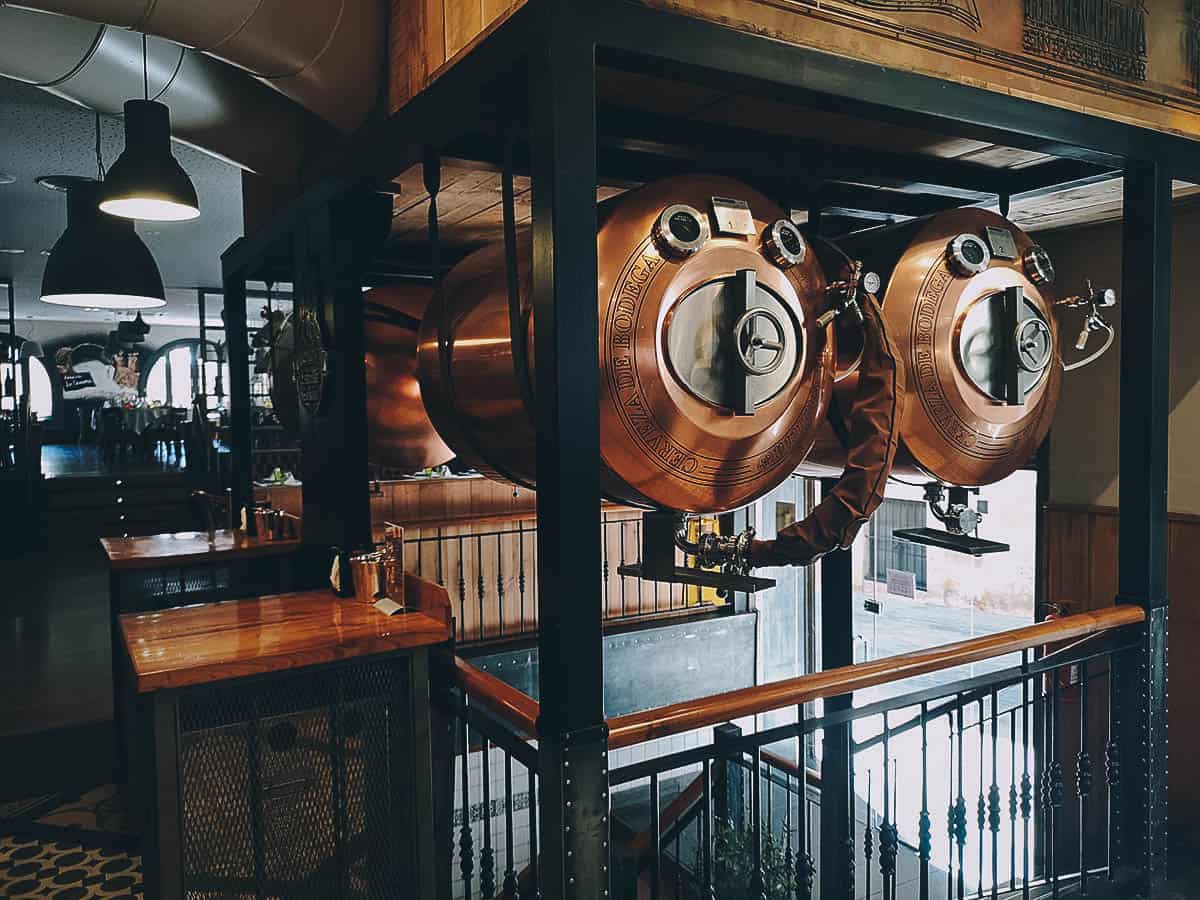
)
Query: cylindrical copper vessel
[
  {"x": 399, "y": 433},
  {"x": 714, "y": 374},
  {"x": 943, "y": 292}
]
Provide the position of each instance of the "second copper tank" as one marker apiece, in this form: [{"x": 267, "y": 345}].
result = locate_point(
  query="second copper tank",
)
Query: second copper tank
[{"x": 943, "y": 282}]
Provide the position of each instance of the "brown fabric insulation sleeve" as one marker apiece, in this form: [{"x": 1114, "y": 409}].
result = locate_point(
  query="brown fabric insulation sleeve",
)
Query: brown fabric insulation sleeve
[{"x": 873, "y": 426}]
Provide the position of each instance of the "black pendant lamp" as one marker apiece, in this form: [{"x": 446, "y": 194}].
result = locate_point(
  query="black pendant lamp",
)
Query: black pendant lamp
[
  {"x": 147, "y": 182},
  {"x": 99, "y": 261}
]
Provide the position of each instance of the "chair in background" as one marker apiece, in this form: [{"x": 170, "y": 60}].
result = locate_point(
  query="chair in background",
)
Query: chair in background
[{"x": 116, "y": 440}]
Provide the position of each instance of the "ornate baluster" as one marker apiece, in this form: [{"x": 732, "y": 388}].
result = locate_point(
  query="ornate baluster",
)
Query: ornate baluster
[
  {"x": 806, "y": 869},
  {"x": 655, "y": 840},
  {"x": 1052, "y": 785},
  {"x": 709, "y": 892},
  {"x": 621, "y": 537},
  {"x": 441, "y": 562},
  {"x": 868, "y": 835},
  {"x": 462, "y": 590},
  {"x": 888, "y": 847},
  {"x": 924, "y": 826},
  {"x": 521, "y": 571},
  {"x": 757, "y": 885},
  {"x": 466, "y": 840},
  {"x": 487, "y": 857},
  {"x": 1012, "y": 798},
  {"x": 535, "y": 875},
  {"x": 604, "y": 569},
  {"x": 960, "y": 811},
  {"x": 509, "y": 890},
  {"x": 951, "y": 818},
  {"x": 981, "y": 804},
  {"x": 851, "y": 856},
  {"x": 792, "y": 882},
  {"x": 479, "y": 588},
  {"x": 994, "y": 816},
  {"x": 678, "y": 866},
  {"x": 500, "y": 578},
  {"x": 1026, "y": 781},
  {"x": 1083, "y": 777},
  {"x": 1112, "y": 776}
]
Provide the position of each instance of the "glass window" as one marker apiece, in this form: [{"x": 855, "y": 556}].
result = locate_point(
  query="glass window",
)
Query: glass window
[
  {"x": 41, "y": 394},
  {"x": 174, "y": 377}
]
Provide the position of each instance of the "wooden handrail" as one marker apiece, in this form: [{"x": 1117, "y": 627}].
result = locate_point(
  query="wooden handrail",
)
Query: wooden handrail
[
  {"x": 635, "y": 728},
  {"x": 498, "y": 697}
]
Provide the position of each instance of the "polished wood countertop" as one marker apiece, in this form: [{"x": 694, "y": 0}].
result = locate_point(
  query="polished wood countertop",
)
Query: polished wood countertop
[
  {"x": 217, "y": 641},
  {"x": 182, "y": 547}
]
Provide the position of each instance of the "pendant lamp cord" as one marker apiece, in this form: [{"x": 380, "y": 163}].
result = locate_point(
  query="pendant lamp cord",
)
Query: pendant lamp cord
[
  {"x": 145, "y": 70},
  {"x": 99, "y": 157}
]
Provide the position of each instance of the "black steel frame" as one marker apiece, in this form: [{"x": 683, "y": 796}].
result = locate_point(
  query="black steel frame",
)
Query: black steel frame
[{"x": 556, "y": 45}]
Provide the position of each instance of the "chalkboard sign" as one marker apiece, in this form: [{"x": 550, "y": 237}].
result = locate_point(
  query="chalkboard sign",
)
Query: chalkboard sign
[{"x": 77, "y": 381}]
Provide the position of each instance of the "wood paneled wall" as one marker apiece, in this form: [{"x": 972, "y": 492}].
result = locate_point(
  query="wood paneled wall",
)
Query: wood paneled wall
[
  {"x": 426, "y": 35},
  {"x": 1081, "y": 571}
]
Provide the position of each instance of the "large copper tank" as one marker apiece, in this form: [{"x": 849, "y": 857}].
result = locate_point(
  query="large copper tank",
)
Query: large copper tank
[
  {"x": 943, "y": 298},
  {"x": 399, "y": 433},
  {"x": 684, "y": 423}
]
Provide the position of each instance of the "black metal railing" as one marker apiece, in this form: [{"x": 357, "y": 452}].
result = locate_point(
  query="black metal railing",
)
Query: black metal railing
[
  {"x": 993, "y": 752},
  {"x": 981, "y": 785},
  {"x": 491, "y": 576}
]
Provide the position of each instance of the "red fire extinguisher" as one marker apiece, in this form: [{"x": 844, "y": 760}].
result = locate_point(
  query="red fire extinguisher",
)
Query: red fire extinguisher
[{"x": 1068, "y": 676}]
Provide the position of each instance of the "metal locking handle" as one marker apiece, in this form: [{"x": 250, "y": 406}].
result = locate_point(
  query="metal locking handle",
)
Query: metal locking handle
[{"x": 748, "y": 342}]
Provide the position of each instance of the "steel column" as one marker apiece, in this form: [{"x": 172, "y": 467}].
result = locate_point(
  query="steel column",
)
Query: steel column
[
  {"x": 572, "y": 735},
  {"x": 237, "y": 346},
  {"x": 1139, "y": 679},
  {"x": 837, "y": 790},
  {"x": 330, "y": 250}
]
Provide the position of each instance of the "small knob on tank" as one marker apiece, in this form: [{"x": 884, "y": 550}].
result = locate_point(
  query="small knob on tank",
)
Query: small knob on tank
[{"x": 783, "y": 244}]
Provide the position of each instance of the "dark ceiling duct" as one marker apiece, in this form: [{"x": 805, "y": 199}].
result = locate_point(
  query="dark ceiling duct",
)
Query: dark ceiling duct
[
  {"x": 327, "y": 55},
  {"x": 214, "y": 107}
]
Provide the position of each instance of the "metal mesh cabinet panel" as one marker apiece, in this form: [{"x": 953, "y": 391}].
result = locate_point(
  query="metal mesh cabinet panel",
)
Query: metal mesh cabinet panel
[{"x": 299, "y": 785}]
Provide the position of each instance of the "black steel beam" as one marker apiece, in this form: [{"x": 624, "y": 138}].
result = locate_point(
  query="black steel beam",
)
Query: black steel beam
[
  {"x": 572, "y": 734},
  {"x": 1139, "y": 678},
  {"x": 237, "y": 344},
  {"x": 837, "y": 785},
  {"x": 637, "y": 37}
]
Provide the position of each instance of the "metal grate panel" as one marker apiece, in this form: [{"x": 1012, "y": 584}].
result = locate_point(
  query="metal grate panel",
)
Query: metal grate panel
[{"x": 294, "y": 786}]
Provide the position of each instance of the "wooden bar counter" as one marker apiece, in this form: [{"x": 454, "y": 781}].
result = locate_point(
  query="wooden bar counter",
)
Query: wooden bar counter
[
  {"x": 162, "y": 571},
  {"x": 284, "y": 745}
]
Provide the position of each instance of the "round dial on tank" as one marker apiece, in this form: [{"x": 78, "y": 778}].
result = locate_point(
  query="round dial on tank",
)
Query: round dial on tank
[
  {"x": 681, "y": 230},
  {"x": 968, "y": 255}
]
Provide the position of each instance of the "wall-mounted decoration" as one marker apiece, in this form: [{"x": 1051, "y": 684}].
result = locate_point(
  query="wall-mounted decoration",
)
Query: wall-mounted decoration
[
  {"x": 89, "y": 371},
  {"x": 965, "y": 11},
  {"x": 1107, "y": 36},
  {"x": 310, "y": 361}
]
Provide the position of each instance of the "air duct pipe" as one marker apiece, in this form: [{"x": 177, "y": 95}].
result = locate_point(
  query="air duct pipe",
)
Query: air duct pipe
[
  {"x": 327, "y": 55},
  {"x": 214, "y": 107}
]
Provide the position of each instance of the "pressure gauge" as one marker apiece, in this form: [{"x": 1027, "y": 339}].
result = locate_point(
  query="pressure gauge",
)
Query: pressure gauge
[
  {"x": 871, "y": 283},
  {"x": 784, "y": 245},
  {"x": 1038, "y": 266},
  {"x": 680, "y": 231},
  {"x": 968, "y": 255}
]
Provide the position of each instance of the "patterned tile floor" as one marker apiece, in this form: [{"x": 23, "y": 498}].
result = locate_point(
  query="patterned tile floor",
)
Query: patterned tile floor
[{"x": 66, "y": 870}]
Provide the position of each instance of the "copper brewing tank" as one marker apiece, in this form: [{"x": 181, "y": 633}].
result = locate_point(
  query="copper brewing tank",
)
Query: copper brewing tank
[
  {"x": 399, "y": 433},
  {"x": 944, "y": 308},
  {"x": 684, "y": 422}
]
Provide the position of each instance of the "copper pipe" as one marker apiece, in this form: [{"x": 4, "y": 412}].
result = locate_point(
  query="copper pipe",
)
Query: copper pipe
[{"x": 635, "y": 728}]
